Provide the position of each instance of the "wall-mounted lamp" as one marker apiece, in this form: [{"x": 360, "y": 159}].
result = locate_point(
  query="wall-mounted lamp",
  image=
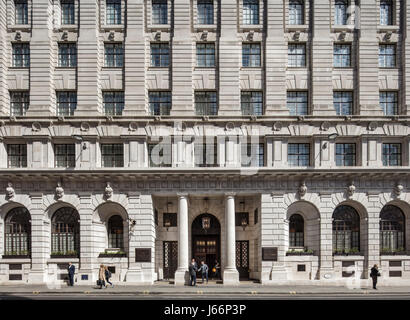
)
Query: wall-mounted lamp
[
  {"x": 167, "y": 224},
  {"x": 331, "y": 136},
  {"x": 79, "y": 138},
  {"x": 206, "y": 223},
  {"x": 244, "y": 222}
]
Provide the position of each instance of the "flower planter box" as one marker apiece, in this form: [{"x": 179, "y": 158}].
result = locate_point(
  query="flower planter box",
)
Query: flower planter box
[
  {"x": 348, "y": 254},
  {"x": 16, "y": 256},
  {"x": 299, "y": 253},
  {"x": 112, "y": 255},
  {"x": 67, "y": 256},
  {"x": 396, "y": 253}
]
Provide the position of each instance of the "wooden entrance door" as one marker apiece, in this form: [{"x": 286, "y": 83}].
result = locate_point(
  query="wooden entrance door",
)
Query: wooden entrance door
[
  {"x": 170, "y": 259},
  {"x": 242, "y": 259},
  {"x": 206, "y": 248}
]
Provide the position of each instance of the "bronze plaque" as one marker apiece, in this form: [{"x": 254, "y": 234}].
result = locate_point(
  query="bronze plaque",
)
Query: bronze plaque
[
  {"x": 143, "y": 255},
  {"x": 270, "y": 254}
]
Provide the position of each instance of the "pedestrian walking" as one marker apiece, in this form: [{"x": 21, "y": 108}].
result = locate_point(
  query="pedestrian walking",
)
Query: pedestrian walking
[
  {"x": 193, "y": 268},
  {"x": 216, "y": 269},
  {"x": 101, "y": 277},
  {"x": 204, "y": 271},
  {"x": 71, "y": 272},
  {"x": 374, "y": 273},
  {"x": 108, "y": 276}
]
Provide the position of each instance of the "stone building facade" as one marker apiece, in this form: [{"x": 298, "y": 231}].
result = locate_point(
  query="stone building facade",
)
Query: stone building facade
[{"x": 269, "y": 135}]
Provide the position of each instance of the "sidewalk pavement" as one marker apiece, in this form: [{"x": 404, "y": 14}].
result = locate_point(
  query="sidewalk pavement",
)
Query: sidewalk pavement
[{"x": 165, "y": 288}]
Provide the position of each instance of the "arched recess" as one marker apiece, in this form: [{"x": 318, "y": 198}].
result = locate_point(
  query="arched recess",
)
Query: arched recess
[
  {"x": 346, "y": 229},
  {"x": 65, "y": 232},
  {"x": 392, "y": 229},
  {"x": 17, "y": 232}
]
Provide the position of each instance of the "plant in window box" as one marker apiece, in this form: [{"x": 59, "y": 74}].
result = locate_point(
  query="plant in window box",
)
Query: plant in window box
[
  {"x": 64, "y": 254},
  {"x": 16, "y": 254},
  {"x": 112, "y": 254}
]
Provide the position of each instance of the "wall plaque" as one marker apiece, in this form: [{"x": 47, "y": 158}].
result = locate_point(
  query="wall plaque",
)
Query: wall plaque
[
  {"x": 270, "y": 254},
  {"x": 143, "y": 255}
]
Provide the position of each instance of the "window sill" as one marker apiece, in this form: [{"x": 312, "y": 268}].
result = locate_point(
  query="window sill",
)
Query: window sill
[
  {"x": 20, "y": 27},
  {"x": 113, "y": 27},
  {"x": 387, "y": 28},
  {"x": 296, "y": 68},
  {"x": 62, "y": 256},
  {"x": 204, "y": 68},
  {"x": 19, "y": 68},
  {"x": 67, "y": 27},
  {"x": 251, "y": 68},
  {"x": 201, "y": 27},
  {"x": 248, "y": 27},
  {"x": 65, "y": 68},
  {"x": 17, "y": 256},
  {"x": 158, "y": 68},
  {"x": 297, "y": 27},
  {"x": 111, "y": 68},
  {"x": 342, "y": 27},
  {"x": 160, "y": 27}
]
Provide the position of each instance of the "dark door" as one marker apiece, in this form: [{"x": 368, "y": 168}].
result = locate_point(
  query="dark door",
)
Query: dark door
[
  {"x": 206, "y": 248},
  {"x": 170, "y": 259},
  {"x": 242, "y": 259}
]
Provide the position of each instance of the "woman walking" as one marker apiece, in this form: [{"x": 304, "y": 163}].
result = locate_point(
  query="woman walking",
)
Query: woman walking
[{"x": 101, "y": 277}]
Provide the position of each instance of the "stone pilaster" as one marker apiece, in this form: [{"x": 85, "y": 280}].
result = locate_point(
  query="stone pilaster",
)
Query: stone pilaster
[
  {"x": 230, "y": 273},
  {"x": 181, "y": 275}
]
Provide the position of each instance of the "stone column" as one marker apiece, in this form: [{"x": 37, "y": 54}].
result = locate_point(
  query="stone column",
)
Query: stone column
[
  {"x": 230, "y": 275},
  {"x": 181, "y": 275}
]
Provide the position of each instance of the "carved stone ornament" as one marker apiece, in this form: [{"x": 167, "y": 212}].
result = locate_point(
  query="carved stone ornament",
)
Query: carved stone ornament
[
  {"x": 10, "y": 193},
  {"x": 325, "y": 126},
  {"x": 350, "y": 190},
  {"x": 302, "y": 189},
  {"x": 108, "y": 191},
  {"x": 277, "y": 126},
  {"x": 372, "y": 126},
  {"x": 398, "y": 189},
  {"x": 59, "y": 191}
]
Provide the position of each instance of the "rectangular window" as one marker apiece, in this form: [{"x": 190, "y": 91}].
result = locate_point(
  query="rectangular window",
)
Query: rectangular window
[
  {"x": 160, "y": 103},
  {"x": 205, "y": 54},
  {"x": 113, "y": 55},
  {"x": 160, "y": 154},
  {"x": 159, "y": 12},
  {"x": 252, "y": 154},
  {"x": 250, "y": 12},
  {"x": 386, "y": 12},
  {"x": 21, "y": 11},
  {"x": 297, "y": 103},
  {"x": 67, "y": 12},
  {"x": 16, "y": 155},
  {"x": 64, "y": 155},
  {"x": 205, "y": 11},
  {"x": 341, "y": 12},
  {"x": 296, "y": 12},
  {"x": 342, "y": 55},
  {"x": 343, "y": 102},
  {"x": 113, "y": 102},
  {"x": 112, "y": 155},
  {"x": 67, "y": 55},
  {"x": 298, "y": 154},
  {"x": 345, "y": 154},
  {"x": 206, "y": 103},
  {"x": 113, "y": 12},
  {"x": 251, "y": 55},
  {"x": 387, "y": 56},
  {"x": 391, "y": 154},
  {"x": 66, "y": 103},
  {"x": 19, "y": 102},
  {"x": 160, "y": 54},
  {"x": 206, "y": 153},
  {"x": 21, "y": 55},
  {"x": 296, "y": 55},
  {"x": 252, "y": 103},
  {"x": 388, "y": 103}
]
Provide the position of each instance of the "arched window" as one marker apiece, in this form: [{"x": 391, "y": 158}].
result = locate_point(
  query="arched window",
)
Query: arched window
[
  {"x": 296, "y": 231},
  {"x": 65, "y": 232},
  {"x": 391, "y": 229},
  {"x": 116, "y": 232},
  {"x": 346, "y": 229},
  {"x": 18, "y": 232}
]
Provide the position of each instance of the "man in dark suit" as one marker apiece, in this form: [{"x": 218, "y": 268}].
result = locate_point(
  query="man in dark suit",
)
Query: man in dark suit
[
  {"x": 193, "y": 268},
  {"x": 374, "y": 273},
  {"x": 71, "y": 271}
]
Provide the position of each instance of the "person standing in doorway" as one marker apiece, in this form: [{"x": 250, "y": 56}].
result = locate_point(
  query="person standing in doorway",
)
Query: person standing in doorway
[
  {"x": 204, "y": 271},
  {"x": 71, "y": 272},
  {"x": 101, "y": 277},
  {"x": 217, "y": 268},
  {"x": 108, "y": 276},
  {"x": 374, "y": 273},
  {"x": 193, "y": 268}
]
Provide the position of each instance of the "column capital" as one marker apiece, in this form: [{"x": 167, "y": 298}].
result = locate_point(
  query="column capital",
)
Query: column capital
[
  {"x": 182, "y": 194},
  {"x": 230, "y": 194}
]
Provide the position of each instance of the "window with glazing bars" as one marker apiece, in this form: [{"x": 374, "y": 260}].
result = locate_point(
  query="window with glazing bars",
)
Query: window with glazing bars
[
  {"x": 113, "y": 55},
  {"x": 251, "y": 55},
  {"x": 343, "y": 102},
  {"x": 296, "y": 231},
  {"x": 297, "y": 103},
  {"x": 387, "y": 55},
  {"x": 252, "y": 154},
  {"x": 66, "y": 103},
  {"x": 252, "y": 103},
  {"x": 298, "y": 154},
  {"x": 160, "y": 154},
  {"x": 346, "y": 229},
  {"x": 159, "y": 12},
  {"x": 205, "y": 153},
  {"x": 16, "y": 155},
  {"x": 205, "y": 54},
  {"x": 388, "y": 103},
  {"x": 250, "y": 12},
  {"x": 18, "y": 232},
  {"x": 160, "y": 103},
  {"x": 206, "y": 103},
  {"x": 19, "y": 102},
  {"x": 112, "y": 155},
  {"x": 392, "y": 222},
  {"x": 391, "y": 154},
  {"x": 67, "y": 55},
  {"x": 21, "y": 55},
  {"x": 160, "y": 54},
  {"x": 296, "y": 14},
  {"x": 205, "y": 12},
  {"x": 116, "y": 232},
  {"x": 342, "y": 55},
  {"x": 21, "y": 11},
  {"x": 64, "y": 155},
  {"x": 341, "y": 12},
  {"x": 113, "y": 12},
  {"x": 67, "y": 12},
  {"x": 345, "y": 154},
  {"x": 113, "y": 103},
  {"x": 296, "y": 55},
  {"x": 65, "y": 232},
  {"x": 386, "y": 12}
]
